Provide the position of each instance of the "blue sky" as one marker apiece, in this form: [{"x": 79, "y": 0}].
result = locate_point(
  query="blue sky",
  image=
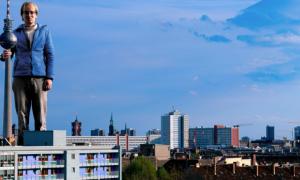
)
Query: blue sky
[{"x": 221, "y": 62}]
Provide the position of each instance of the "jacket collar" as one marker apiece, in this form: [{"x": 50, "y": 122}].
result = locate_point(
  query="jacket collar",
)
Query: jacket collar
[{"x": 22, "y": 27}]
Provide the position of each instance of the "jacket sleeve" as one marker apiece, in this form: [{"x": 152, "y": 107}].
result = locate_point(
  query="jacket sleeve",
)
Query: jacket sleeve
[{"x": 49, "y": 55}]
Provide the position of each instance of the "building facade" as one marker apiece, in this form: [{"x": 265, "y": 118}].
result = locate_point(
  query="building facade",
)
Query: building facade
[
  {"x": 201, "y": 137},
  {"x": 175, "y": 129},
  {"x": 128, "y": 131},
  {"x": 270, "y": 133},
  {"x": 154, "y": 136},
  {"x": 97, "y": 132},
  {"x": 218, "y": 135},
  {"x": 65, "y": 162},
  {"x": 127, "y": 143},
  {"x": 297, "y": 133}
]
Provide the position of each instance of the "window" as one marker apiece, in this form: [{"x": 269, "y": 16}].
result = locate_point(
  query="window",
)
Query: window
[
  {"x": 73, "y": 156},
  {"x": 73, "y": 169}
]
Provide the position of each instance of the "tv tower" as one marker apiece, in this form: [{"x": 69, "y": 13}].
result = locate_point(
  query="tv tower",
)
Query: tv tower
[{"x": 7, "y": 40}]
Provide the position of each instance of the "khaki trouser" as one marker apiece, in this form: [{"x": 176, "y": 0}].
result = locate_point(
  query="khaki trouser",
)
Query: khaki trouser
[{"x": 28, "y": 92}]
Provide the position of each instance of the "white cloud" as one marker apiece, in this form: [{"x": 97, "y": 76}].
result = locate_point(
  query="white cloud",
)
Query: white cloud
[{"x": 281, "y": 39}]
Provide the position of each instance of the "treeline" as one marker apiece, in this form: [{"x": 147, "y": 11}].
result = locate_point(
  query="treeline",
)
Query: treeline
[{"x": 143, "y": 169}]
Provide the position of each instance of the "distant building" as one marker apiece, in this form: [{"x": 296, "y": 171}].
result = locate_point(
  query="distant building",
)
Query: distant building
[
  {"x": 154, "y": 136},
  {"x": 201, "y": 137},
  {"x": 235, "y": 136},
  {"x": 154, "y": 131},
  {"x": 245, "y": 141},
  {"x": 154, "y": 139},
  {"x": 219, "y": 135},
  {"x": 160, "y": 151},
  {"x": 128, "y": 131},
  {"x": 175, "y": 129},
  {"x": 76, "y": 128},
  {"x": 297, "y": 133},
  {"x": 112, "y": 131},
  {"x": 270, "y": 133},
  {"x": 127, "y": 143},
  {"x": 226, "y": 136},
  {"x": 97, "y": 132}
]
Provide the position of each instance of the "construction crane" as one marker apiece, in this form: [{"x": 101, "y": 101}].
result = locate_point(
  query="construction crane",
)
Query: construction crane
[
  {"x": 242, "y": 124},
  {"x": 294, "y": 122}
]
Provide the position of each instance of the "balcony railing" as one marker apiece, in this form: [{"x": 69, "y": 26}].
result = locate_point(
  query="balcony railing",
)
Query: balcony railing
[
  {"x": 97, "y": 162},
  {"x": 41, "y": 164},
  {"x": 102, "y": 176},
  {"x": 37, "y": 177}
]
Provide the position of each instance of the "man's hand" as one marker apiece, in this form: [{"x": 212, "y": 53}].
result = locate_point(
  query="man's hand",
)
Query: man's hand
[
  {"x": 6, "y": 54},
  {"x": 47, "y": 84}
]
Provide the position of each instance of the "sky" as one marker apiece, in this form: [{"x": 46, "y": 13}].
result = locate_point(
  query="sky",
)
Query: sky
[{"x": 233, "y": 62}]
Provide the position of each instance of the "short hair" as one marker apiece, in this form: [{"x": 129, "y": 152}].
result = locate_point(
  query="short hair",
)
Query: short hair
[{"x": 29, "y": 3}]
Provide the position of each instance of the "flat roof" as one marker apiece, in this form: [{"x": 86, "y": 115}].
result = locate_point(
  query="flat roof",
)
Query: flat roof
[{"x": 56, "y": 148}]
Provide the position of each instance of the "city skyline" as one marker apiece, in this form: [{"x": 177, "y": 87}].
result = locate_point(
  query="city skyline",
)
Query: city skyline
[{"x": 233, "y": 62}]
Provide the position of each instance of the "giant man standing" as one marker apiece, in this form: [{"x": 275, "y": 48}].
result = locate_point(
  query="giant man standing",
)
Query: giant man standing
[{"x": 33, "y": 69}]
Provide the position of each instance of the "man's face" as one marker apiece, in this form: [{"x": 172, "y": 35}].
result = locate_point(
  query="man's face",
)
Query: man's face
[{"x": 29, "y": 15}]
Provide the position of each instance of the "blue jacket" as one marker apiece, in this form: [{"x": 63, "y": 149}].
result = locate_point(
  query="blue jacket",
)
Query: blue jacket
[{"x": 36, "y": 59}]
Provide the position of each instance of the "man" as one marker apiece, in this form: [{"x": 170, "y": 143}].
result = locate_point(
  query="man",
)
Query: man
[{"x": 33, "y": 69}]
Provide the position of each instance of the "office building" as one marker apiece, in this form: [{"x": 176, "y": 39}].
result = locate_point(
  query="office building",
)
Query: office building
[
  {"x": 297, "y": 133},
  {"x": 97, "y": 132},
  {"x": 226, "y": 135},
  {"x": 270, "y": 133},
  {"x": 218, "y": 135},
  {"x": 235, "y": 136},
  {"x": 201, "y": 137},
  {"x": 175, "y": 130},
  {"x": 76, "y": 128},
  {"x": 127, "y": 143}
]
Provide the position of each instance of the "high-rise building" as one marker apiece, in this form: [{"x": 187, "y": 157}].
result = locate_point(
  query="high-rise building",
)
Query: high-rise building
[
  {"x": 218, "y": 135},
  {"x": 97, "y": 132},
  {"x": 175, "y": 129},
  {"x": 76, "y": 128},
  {"x": 226, "y": 135},
  {"x": 235, "y": 136},
  {"x": 270, "y": 133},
  {"x": 297, "y": 133},
  {"x": 201, "y": 137}
]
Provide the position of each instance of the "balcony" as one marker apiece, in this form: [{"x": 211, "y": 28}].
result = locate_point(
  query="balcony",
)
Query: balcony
[
  {"x": 41, "y": 164},
  {"x": 48, "y": 177},
  {"x": 111, "y": 175},
  {"x": 95, "y": 162}
]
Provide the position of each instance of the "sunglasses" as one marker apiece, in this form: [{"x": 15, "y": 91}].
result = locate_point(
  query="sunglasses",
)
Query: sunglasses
[{"x": 29, "y": 12}]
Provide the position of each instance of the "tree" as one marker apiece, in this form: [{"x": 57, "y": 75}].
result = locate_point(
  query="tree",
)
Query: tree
[
  {"x": 162, "y": 174},
  {"x": 140, "y": 168}
]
